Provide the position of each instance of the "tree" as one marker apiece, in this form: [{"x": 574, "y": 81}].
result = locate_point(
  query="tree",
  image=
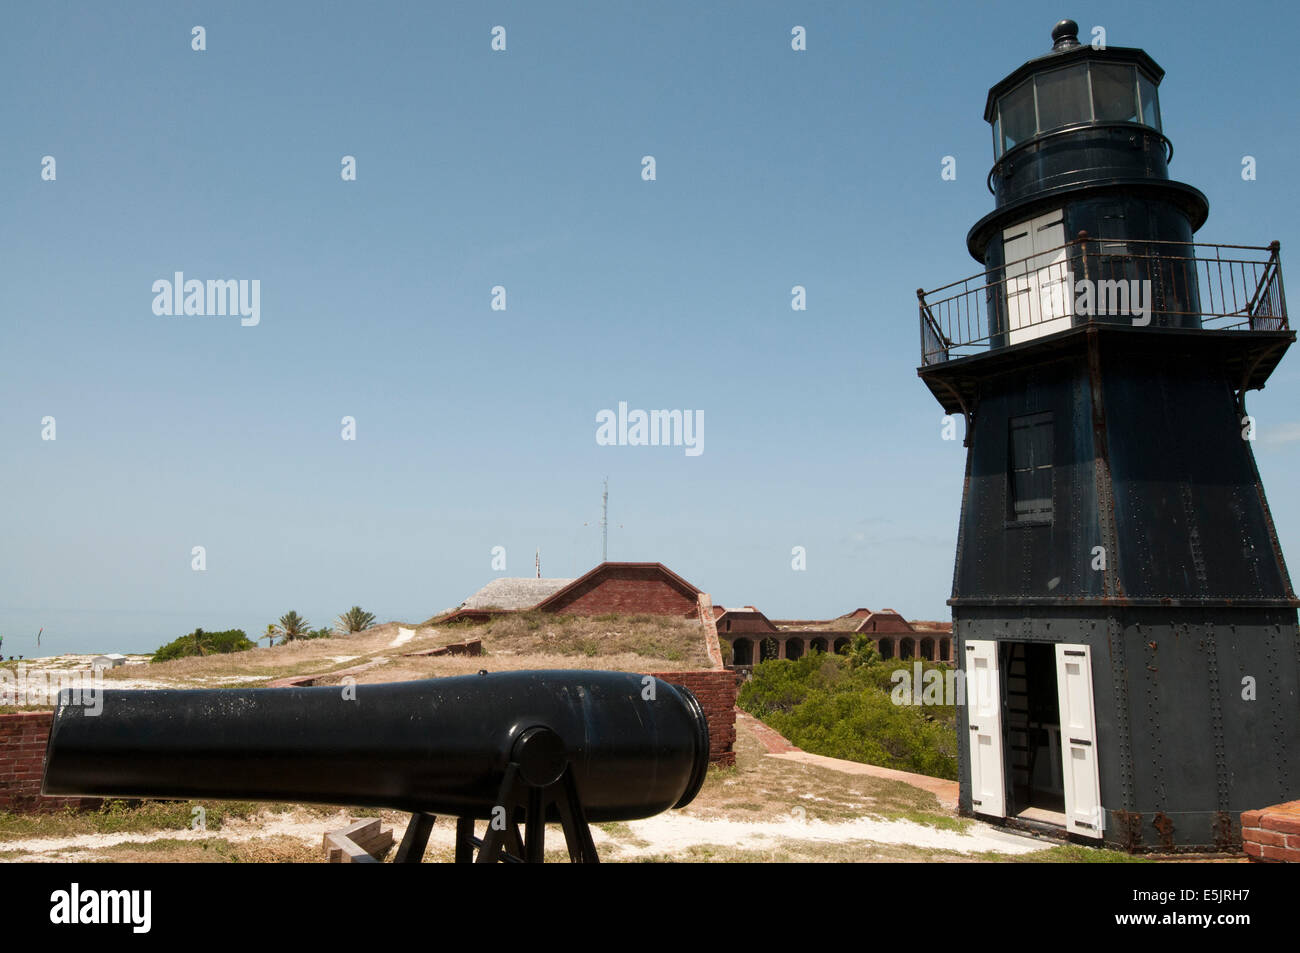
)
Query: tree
[
  {"x": 272, "y": 631},
  {"x": 355, "y": 619},
  {"x": 292, "y": 626},
  {"x": 202, "y": 642},
  {"x": 862, "y": 653}
]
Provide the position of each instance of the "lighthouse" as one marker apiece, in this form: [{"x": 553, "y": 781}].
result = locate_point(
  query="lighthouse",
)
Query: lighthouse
[{"x": 1121, "y": 605}]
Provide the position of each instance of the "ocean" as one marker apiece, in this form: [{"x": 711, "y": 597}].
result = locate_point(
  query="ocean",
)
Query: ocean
[{"x": 96, "y": 631}]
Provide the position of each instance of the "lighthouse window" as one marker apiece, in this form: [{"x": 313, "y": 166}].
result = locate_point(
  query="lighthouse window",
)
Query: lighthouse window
[
  {"x": 1017, "y": 115},
  {"x": 1063, "y": 97},
  {"x": 1114, "y": 92},
  {"x": 1150, "y": 108},
  {"x": 1030, "y": 490}
]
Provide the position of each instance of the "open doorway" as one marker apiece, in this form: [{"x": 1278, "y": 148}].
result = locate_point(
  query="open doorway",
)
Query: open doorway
[
  {"x": 1032, "y": 732},
  {"x": 1031, "y": 741}
]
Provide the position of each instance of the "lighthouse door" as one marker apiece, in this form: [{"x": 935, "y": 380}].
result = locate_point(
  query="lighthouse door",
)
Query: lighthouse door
[
  {"x": 984, "y": 723},
  {"x": 1083, "y": 811},
  {"x": 1038, "y": 285}
]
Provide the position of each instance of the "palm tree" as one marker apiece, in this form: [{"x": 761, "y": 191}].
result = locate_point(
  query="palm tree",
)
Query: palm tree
[
  {"x": 271, "y": 633},
  {"x": 292, "y": 626},
  {"x": 202, "y": 642},
  {"x": 355, "y": 619}
]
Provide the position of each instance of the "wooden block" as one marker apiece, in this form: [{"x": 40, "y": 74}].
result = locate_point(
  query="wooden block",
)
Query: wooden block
[{"x": 362, "y": 842}]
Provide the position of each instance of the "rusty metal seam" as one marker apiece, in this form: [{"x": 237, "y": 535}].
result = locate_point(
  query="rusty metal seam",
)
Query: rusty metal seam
[
  {"x": 1216, "y": 715},
  {"x": 1119, "y": 683}
]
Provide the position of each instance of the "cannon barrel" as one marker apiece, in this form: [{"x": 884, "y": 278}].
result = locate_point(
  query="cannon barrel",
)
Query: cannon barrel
[{"x": 636, "y": 745}]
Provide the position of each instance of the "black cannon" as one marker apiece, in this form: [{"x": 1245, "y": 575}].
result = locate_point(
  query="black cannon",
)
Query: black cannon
[{"x": 510, "y": 748}]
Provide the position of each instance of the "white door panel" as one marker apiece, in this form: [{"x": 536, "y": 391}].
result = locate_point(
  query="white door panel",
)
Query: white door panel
[
  {"x": 1083, "y": 811},
  {"x": 984, "y": 724},
  {"x": 1039, "y": 293}
]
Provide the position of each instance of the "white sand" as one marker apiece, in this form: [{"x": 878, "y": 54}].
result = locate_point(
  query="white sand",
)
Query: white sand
[
  {"x": 667, "y": 834},
  {"x": 671, "y": 832}
]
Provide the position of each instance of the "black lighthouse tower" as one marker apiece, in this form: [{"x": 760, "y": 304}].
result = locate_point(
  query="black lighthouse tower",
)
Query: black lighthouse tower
[{"x": 1121, "y": 606}]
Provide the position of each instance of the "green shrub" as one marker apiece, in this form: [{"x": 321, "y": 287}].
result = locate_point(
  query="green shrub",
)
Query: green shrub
[
  {"x": 200, "y": 642},
  {"x": 842, "y": 706}
]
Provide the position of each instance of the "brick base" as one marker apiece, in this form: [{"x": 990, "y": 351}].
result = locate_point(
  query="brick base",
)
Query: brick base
[
  {"x": 1272, "y": 833},
  {"x": 23, "y": 736},
  {"x": 716, "y": 692}
]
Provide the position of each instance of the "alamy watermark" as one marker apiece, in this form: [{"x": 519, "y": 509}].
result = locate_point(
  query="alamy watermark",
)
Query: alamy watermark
[
  {"x": 213, "y": 297},
  {"x": 946, "y": 687},
  {"x": 654, "y": 428},
  {"x": 1126, "y": 297},
  {"x": 131, "y": 908},
  {"x": 27, "y": 686}
]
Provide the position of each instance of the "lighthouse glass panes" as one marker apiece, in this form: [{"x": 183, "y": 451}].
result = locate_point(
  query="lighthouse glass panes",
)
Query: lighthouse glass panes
[
  {"x": 1114, "y": 92},
  {"x": 1063, "y": 97},
  {"x": 1084, "y": 92},
  {"x": 1147, "y": 101},
  {"x": 1017, "y": 114}
]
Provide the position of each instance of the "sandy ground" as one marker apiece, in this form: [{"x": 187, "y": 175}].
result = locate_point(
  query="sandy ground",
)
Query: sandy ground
[
  {"x": 672, "y": 832},
  {"x": 665, "y": 835},
  {"x": 297, "y": 824}
]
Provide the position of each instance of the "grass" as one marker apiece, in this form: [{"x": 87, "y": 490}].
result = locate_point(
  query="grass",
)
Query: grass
[
  {"x": 1077, "y": 854},
  {"x": 522, "y": 640},
  {"x": 796, "y": 852},
  {"x": 760, "y": 788},
  {"x": 650, "y": 636},
  {"x": 622, "y": 833},
  {"x": 209, "y": 850},
  {"x": 941, "y": 822},
  {"x": 120, "y": 816}
]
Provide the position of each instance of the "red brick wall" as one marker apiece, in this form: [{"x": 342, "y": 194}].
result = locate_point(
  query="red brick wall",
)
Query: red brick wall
[
  {"x": 642, "y": 593},
  {"x": 716, "y": 692},
  {"x": 1272, "y": 833},
  {"x": 745, "y": 625},
  {"x": 22, "y": 760}
]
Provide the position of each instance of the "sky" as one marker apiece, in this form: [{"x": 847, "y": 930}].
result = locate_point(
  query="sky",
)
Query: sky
[{"x": 522, "y": 169}]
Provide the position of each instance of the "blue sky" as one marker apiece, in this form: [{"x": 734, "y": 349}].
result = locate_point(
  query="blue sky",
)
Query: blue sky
[{"x": 476, "y": 428}]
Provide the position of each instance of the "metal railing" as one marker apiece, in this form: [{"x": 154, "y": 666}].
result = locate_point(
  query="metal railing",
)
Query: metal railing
[{"x": 1147, "y": 282}]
